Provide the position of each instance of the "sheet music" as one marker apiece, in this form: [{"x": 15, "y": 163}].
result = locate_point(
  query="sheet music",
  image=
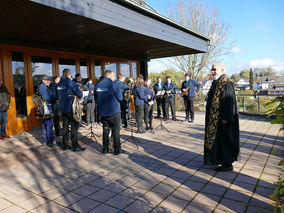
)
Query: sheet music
[
  {"x": 159, "y": 93},
  {"x": 85, "y": 93}
]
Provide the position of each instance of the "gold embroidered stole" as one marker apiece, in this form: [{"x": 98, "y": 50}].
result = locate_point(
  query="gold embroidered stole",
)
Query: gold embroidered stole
[{"x": 214, "y": 113}]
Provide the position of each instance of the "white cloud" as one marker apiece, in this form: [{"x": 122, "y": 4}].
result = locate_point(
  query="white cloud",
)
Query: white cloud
[
  {"x": 236, "y": 50},
  {"x": 278, "y": 66},
  {"x": 261, "y": 27},
  {"x": 156, "y": 66}
]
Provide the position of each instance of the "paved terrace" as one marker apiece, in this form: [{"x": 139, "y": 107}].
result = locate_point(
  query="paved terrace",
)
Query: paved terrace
[{"x": 166, "y": 173}]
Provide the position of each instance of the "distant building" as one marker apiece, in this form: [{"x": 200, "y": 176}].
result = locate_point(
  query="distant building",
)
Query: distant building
[
  {"x": 267, "y": 84},
  {"x": 243, "y": 83}
]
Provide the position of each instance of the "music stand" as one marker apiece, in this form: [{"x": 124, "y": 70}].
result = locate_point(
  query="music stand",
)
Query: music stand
[
  {"x": 161, "y": 126},
  {"x": 131, "y": 138},
  {"x": 93, "y": 134}
]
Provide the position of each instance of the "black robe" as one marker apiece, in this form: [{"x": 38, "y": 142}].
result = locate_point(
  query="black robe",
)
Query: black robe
[{"x": 227, "y": 142}]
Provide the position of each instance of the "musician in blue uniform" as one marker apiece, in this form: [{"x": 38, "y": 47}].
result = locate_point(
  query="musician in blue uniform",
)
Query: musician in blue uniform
[
  {"x": 170, "y": 91},
  {"x": 108, "y": 96},
  {"x": 189, "y": 88},
  {"x": 123, "y": 104},
  {"x": 66, "y": 90},
  {"x": 139, "y": 99},
  {"x": 47, "y": 95},
  {"x": 158, "y": 87},
  {"x": 149, "y": 105},
  {"x": 56, "y": 106},
  {"x": 89, "y": 101}
]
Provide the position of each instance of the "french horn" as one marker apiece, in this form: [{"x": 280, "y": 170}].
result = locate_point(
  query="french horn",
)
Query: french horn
[
  {"x": 127, "y": 93},
  {"x": 41, "y": 104},
  {"x": 77, "y": 107}
]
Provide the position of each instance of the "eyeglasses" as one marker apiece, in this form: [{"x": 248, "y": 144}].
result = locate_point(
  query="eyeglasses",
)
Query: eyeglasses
[{"x": 213, "y": 69}]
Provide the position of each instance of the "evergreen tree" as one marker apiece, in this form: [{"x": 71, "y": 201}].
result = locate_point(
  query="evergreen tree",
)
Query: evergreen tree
[{"x": 251, "y": 80}]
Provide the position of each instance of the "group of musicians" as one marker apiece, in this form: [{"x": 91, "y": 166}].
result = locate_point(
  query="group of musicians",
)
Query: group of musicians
[{"x": 112, "y": 106}]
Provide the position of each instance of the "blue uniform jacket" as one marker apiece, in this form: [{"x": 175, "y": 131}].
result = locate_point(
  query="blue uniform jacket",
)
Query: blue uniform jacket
[
  {"x": 90, "y": 88},
  {"x": 194, "y": 86},
  {"x": 46, "y": 94},
  {"x": 171, "y": 87},
  {"x": 149, "y": 91},
  {"x": 122, "y": 86},
  {"x": 66, "y": 91},
  {"x": 139, "y": 96},
  {"x": 108, "y": 96},
  {"x": 54, "y": 91},
  {"x": 158, "y": 87}
]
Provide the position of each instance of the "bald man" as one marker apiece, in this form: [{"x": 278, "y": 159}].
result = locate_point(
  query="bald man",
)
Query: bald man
[{"x": 222, "y": 138}]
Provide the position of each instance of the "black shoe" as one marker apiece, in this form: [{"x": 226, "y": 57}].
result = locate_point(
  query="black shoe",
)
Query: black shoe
[
  {"x": 174, "y": 119},
  {"x": 140, "y": 131},
  {"x": 64, "y": 147},
  {"x": 158, "y": 116},
  {"x": 79, "y": 149},
  {"x": 105, "y": 151},
  {"x": 147, "y": 128},
  {"x": 144, "y": 130},
  {"x": 191, "y": 121},
  {"x": 224, "y": 168},
  {"x": 49, "y": 144}
]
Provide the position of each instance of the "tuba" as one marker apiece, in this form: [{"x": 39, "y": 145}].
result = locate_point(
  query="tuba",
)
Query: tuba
[
  {"x": 77, "y": 107},
  {"x": 127, "y": 93}
]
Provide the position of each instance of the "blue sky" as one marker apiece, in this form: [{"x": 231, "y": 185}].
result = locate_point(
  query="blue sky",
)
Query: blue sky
[{"x": 256, "y": 27}]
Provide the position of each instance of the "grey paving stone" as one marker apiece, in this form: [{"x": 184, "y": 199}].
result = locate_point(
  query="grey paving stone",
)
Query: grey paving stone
[
  {"x": 48, "y": 207},
  {"x": 104, "y": 208},
  {"x": 139, "y": 206},
  {"x": 102, "y": 195},
  {"x": 196, "y": 186},
  {"x": 5, "y": 204},
  {"x": 231, "y": 205},
  {"x": 32, "y": 203},
  {"x": 174, "y": 204},
  {"x": 119, "y": 201},
  {"x": 207, "y": 199},
  {"x": 163, "y": 189},
  {"x": 255, "y": 209},
  {"x": 183, "y": 193},
  {"x": 86, "y": 190},
  {"x": 84, "y": 205},
  {"x": 214, "y": 189},
  {"x": 145, "y": 185},
  {"x": 194, "y": 207},
  {"x": 152, "y": 198},
  {"x": 238, "y": 195},
  {"x": 68, "y": 199},
  {"x": 160, "y": 209},
  {"x": 14, "y": 209}
]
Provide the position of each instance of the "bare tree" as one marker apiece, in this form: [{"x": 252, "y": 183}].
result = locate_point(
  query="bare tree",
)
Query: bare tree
[{"x": 199, "y": 17}]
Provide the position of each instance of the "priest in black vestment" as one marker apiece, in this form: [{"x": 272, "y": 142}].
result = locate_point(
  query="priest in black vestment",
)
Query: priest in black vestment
[{"x": 222, "y": 136}]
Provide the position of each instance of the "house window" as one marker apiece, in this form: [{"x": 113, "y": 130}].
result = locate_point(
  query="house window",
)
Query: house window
[
  {"x": 125, "y": 70},
  {"x": 41, "y": 66},
  {"x": 134, "y": 69},
  {"x": 19, "y": 76},
  {"x": 67, "y": 63},
  {"x": 111, "y": 66},
  {"x": 84, "y": 68},
  {"x": 98, "y": 69}
]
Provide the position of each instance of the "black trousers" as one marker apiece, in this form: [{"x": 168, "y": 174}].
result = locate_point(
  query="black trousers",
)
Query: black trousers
[
  {"x": 139, "y": 115},
  {"x": 170, "y": 102},
  {"x": 67, "y": 120},
  {"x": 160, "y": 107},
  {"x": 148, "y": 114},
  {"x": 189, "y": 107},
  {"x": 90, "y": 113},
  {"x": 111, "y": 122},
  {"x": 124, "y": 107},
  {"x": 56, "y": 120}
]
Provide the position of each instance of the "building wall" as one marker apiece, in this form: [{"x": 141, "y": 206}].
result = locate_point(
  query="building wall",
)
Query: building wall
[{"x": 22, "y": 69}]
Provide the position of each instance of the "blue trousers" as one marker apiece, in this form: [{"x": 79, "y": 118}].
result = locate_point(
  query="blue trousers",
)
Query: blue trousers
[
  {"x": 3, "y": 122},
  {"x": 47, "y": 128}
]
